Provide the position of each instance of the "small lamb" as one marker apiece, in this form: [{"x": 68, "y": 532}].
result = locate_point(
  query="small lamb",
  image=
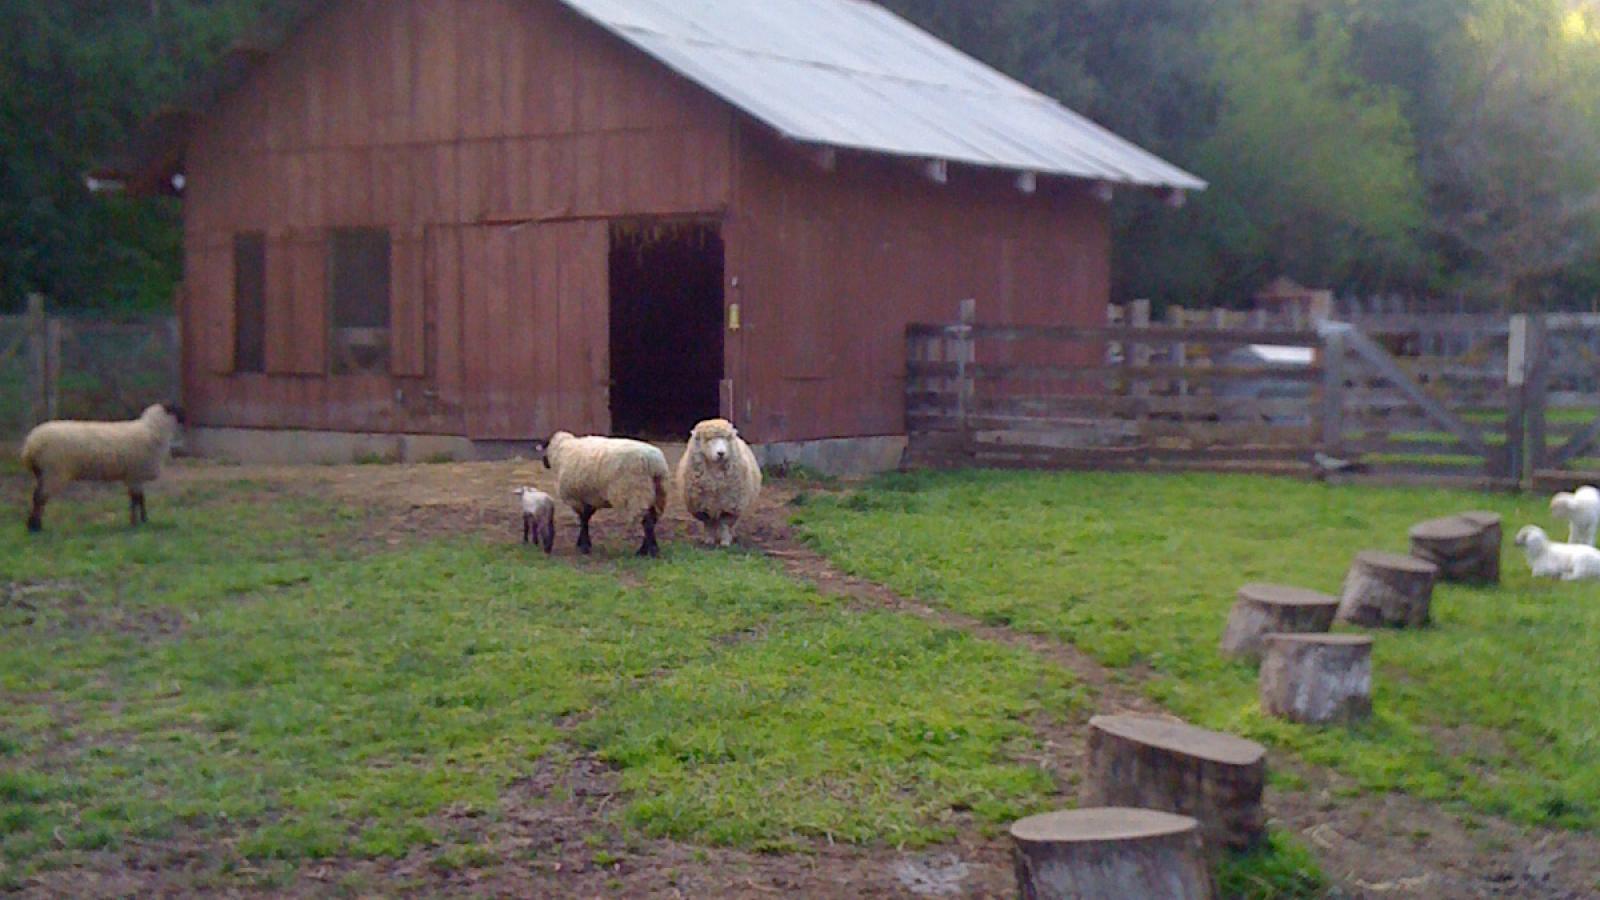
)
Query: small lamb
[
  {"x": 538, "y": 517},
  {"x": 1581, "y": 510},
  {"x": 1568, "y": 562}
]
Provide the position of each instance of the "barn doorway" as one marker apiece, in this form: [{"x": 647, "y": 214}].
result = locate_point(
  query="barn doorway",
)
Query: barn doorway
[{"x": 666, "y": 327}]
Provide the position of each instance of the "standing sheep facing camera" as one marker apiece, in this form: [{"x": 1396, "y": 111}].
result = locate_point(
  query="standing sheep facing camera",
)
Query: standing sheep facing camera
[
  {"x": 1581, "y": 510},
  {"x": 538, "y": 517},
  {"x": 595, "y": 473},
  {"x": 61, "y": 452},
  {"x": 720, "y": 478}
]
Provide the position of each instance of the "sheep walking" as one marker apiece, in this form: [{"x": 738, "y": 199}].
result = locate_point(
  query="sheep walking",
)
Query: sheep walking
[
  {"x": 538, "y": 517},
  {"x": 61, "y": 452},
  {"x": 595, "y": 473},
  {"x": 1568, "y": 562},
  {"x": 720, "y": 478},
  {"x": 1581, "y": 511}
]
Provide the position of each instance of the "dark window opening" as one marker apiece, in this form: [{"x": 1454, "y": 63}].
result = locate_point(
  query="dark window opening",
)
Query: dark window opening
[
  {"x": 358, "y": 283},
  {"x": 666, "y": 327},
  {"x": 249, "y": 303}
]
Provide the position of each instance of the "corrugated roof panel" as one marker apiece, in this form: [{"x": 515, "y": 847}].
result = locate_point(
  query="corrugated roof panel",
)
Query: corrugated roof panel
[{"x": 847, "y": 73}]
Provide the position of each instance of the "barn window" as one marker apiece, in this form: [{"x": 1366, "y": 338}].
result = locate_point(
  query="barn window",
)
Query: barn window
[
  {"x": 358, "y": 278},
  {"x": 249, "y": 303}
]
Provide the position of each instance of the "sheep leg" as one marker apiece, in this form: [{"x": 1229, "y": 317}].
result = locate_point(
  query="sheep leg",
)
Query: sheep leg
[
  {"x": 36, "y": 515},
  {"x": 528, "y": 535},
  {"x": 584, "y": 545},
  {"x": 136, "y": 510},
  {"x": 549, "y": 528},
  {"x": 649, "y": 547}
]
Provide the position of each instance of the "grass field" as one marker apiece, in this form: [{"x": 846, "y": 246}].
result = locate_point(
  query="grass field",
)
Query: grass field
[
  {"x": 255, "y": 676},
  {"x": 1493, "y": 707},
  {"x": 281, "y": 678}
]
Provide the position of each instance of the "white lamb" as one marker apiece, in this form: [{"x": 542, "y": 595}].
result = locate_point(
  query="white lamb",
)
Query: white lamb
[
  {"x": 1581, "y": 511},
  {"x": 1568, "y": 562},
  {"x": 720, "y": 478},
  {"x": 538, "y": 517},
  {"x": 61, "y": 452},
  {"x": 595, "y": 473}
]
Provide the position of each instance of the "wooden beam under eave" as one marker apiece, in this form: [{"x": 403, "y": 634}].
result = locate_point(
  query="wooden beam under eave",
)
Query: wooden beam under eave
[
  {"x": 1103, "y": 191},
  {"x": 1028, "y": 182},
  {"x": 1176, "y": 198},
  {"x": 937, "y": 170},
  {"x": 825, "y": 158}
]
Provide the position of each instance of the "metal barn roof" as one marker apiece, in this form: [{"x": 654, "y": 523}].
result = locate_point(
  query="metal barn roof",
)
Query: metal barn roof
[{"x": 850, "y": 74}]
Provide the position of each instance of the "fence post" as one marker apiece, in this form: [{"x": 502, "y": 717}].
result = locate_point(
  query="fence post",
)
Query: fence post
[
  {"x": 1176, "y": 317},
  {"x": 52, "y": 368},
  {"x": 174, "y": 336},
  {"x": 965, "y": 357},
  {"x": 1333, "y": 357},
  {"x": 1535, "y": 394},
  {"x": 1517, "y": 355},
  {"x": 38, "y": 360},
  {"x": 1138, "y": 355}
]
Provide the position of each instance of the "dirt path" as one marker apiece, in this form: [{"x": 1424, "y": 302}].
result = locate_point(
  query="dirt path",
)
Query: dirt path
[{"x": 558, "y": 838}]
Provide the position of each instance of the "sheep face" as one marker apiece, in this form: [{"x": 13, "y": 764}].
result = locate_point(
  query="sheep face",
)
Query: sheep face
[
  {"x": 1532, "y": 539},
  {"x": 714, "y": 440}
]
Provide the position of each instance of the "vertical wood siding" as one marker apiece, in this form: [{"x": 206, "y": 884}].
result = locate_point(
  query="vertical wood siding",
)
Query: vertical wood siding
[
  {"x": 435, "y": 119},
  {"x": 833, "y": 265}
]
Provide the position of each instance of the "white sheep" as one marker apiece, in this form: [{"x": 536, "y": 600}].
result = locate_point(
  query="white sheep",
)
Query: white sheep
[
  {"x": 1581, "y": 511},
  {"x": 1568, "y": 562},
  {"x": 595, "y": 473},
  {"x": 538, "y": 517},
  {"x": 61, "y": 452},
  {"x": 720, "y": 478}
]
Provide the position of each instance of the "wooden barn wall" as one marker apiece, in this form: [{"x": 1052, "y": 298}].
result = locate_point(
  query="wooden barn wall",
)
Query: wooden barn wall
[
  {"x": 832, "y": 265},
  {"x": 435, "y": 119}
]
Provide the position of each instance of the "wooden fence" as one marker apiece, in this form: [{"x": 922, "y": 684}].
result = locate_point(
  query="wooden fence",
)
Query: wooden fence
[
  {"x": 1474, "y": 399},
  {"x": 61, "y": 367},
  {"x": 1117, "y": 396}
]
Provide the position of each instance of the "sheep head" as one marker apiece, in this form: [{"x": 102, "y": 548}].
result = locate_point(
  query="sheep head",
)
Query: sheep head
[
  {"x": 1532, "y": 539},
  {"x": 552, "y": 447},
  {"x": 713, "y": 439}
]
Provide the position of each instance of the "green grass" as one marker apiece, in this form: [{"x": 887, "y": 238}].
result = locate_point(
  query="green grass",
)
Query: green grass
[
  {"x": 247, "y": 672},
  {"x": 1493, "y": 706}
]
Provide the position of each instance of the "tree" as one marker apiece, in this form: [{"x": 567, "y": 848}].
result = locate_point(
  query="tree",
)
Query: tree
[
  {"x": 1516, "y": 176},
  {"x": 1314, "y": 168}
]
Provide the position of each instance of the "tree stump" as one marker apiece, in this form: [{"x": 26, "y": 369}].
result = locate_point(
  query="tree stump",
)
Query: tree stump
[
  {"x": 1109, "y": 854},
  {"x": 1264, "y": 609},
  {"x": 1317, "y": 678},
  {"x": 1466, "y": 548},
  {"x": 1387, "y": 589},
  {"x": 1154, "y": 763}
]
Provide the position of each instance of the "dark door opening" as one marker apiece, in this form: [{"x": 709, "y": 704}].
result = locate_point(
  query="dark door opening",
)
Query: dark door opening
[{"x": 666, "y": 327}]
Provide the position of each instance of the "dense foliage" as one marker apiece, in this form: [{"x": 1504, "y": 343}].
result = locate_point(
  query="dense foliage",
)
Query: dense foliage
[{"x": 1428, "y": 146}]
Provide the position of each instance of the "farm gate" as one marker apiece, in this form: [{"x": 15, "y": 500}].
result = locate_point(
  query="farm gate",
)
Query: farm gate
[
  {"x": 1413, "y": 397},
  {"x": 1563, "y": 389}
]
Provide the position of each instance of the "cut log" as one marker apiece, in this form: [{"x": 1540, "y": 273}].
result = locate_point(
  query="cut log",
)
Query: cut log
[
  {"x": 1387, "y": 589},
  {"x": 1111, "y": 853},
  {"x": 1317, "y": 678},
  {"x": 1466, "y": 548},
  {"x": 1273, "y": 608},
  {"x": 1155, "y": 763}
]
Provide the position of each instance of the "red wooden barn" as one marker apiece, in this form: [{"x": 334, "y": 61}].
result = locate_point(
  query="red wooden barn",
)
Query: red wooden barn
[{"x": 426, "y": 226}]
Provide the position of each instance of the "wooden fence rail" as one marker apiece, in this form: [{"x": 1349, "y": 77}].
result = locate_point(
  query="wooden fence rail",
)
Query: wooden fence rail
[{"x": 1469, "y": 398}]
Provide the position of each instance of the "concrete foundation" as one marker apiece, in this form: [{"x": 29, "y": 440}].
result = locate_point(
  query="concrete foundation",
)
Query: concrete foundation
[{"x": 844, "y": 457}]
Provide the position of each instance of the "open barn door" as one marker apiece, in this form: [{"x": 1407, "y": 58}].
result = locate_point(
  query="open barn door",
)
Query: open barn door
[{"x": 534, "y": 330}]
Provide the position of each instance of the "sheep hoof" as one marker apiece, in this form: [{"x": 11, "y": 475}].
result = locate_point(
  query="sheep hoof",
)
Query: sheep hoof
[{"x": 35, "y": 526}]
